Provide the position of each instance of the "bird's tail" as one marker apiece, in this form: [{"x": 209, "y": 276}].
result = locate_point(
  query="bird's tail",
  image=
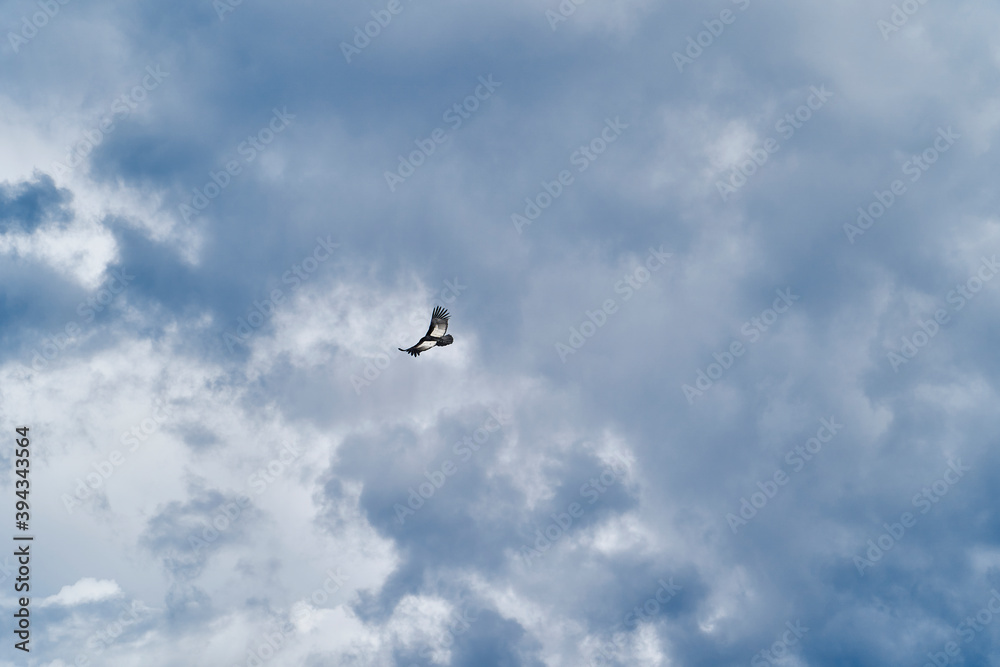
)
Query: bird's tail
[{"x": 446, "y": 340}]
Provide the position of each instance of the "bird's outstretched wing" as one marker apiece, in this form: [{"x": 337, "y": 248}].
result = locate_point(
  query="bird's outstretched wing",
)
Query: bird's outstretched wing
[
  {"x": 422, "y": 346},
  {"x": 439, "y": 323}
]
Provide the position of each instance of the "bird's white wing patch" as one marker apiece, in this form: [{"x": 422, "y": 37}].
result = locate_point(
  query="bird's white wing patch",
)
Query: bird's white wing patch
[{"x": 439, "y": 327}]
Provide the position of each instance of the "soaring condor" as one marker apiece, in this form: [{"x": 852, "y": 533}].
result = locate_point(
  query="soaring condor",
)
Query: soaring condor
[{"x": 435, "y": 334}]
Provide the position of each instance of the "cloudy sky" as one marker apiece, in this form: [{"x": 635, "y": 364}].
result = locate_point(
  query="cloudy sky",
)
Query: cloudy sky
[{"x": 723, "y": 388}]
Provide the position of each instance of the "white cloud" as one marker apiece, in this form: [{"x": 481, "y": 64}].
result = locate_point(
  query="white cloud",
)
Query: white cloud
[{"x": 85, "y": 590}]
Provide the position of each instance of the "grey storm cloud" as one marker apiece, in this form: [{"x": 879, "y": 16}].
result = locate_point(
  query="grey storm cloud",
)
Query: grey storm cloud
[{"x": 28, "y": 204}]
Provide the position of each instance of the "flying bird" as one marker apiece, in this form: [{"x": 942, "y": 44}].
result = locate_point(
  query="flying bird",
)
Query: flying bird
[{"x": 435, "y": 334}]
